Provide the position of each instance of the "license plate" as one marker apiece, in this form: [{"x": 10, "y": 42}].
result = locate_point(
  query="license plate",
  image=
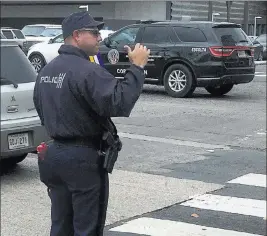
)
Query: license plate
[
  {"x": 242, "y": 54},
  {"x": 16, "y": 141}
]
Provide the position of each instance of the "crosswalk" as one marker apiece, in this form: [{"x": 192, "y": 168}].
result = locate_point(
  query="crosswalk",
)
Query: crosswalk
[
  {"x": 241, "y": 213},
  {"x": 260, "y": 74}
]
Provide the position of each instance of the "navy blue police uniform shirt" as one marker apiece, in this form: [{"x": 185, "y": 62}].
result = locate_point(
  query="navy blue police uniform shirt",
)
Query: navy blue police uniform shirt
[{"x": 70, "y": 88}]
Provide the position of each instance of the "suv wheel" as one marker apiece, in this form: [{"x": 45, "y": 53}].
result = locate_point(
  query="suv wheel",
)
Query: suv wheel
[
  {"x": 221, "y": 90},
  {"x": 179, "y": 81},
  {"x": 37, "y": 61}
]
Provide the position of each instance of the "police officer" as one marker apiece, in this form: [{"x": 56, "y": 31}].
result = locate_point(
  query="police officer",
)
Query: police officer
[{"x": 69, "y": 94}]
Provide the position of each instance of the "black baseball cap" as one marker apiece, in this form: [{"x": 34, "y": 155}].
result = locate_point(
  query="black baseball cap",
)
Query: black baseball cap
[{"x": 79, "y": 20}]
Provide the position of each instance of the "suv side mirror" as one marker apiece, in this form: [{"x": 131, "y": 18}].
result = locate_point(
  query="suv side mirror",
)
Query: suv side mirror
[
  {"x": 50, "y": 41},
  {"x": 255, "y": 42}
]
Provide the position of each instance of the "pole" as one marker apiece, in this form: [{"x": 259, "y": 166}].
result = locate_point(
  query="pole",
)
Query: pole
[
  {"x": 210, "y": 18},
  {"x": 168, "y": 10},
  {"x": 246, "y": 15},
  {"x": 255, "y": 25},
  {"x": 228, "y": 5}
]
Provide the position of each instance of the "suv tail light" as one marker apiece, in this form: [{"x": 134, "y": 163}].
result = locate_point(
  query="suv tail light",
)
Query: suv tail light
[{"x": 227, "y": 51}]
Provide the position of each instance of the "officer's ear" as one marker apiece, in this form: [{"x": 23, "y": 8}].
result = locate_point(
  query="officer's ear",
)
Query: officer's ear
[{"x": 76, "y": 34}]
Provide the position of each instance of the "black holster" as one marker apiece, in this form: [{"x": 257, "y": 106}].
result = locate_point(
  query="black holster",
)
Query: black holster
[{"x": 110, "y": 148}]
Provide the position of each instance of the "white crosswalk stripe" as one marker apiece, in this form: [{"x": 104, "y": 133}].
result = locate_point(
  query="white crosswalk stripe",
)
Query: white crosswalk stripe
[
  {"x": 213, "y": 202},
  {"x": 156, "y": 227},
  {"x": 258, "y": 73},
  {"x": 251, "y": 179},
  {"x": 236, "y": 205}
]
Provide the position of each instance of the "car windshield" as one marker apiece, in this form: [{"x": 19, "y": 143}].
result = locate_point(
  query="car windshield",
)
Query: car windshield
[
  {"x": 33, "y": 30},
  {"x": 51, "y": 32},
  {"x": 105, "y": 33},
  {"x": 231, "y": 36}
]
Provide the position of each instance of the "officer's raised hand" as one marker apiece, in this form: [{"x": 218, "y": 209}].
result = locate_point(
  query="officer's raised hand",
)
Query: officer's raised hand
[
  {"x": 112, "y": 97},
  {"x": 139, "y": 55}
]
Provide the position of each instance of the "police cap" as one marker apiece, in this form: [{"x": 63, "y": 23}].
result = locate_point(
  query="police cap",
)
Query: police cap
[{"x": 79, "y": 20}]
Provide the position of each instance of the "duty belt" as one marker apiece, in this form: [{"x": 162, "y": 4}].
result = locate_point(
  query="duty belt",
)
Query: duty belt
[{"x": 86, "y": 142}]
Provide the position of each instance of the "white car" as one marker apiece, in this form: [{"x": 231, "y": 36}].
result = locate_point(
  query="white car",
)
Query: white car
[
  {"x": 21, "y": 129},
  {"x": 252, "y": 38},
  {"x": 40, "y": 33},
  {"x": 42, "y": 53}
]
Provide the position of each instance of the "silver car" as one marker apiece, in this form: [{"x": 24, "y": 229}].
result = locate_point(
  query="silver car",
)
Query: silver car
[
  {"x": 16, "y": 35},
  {"x": 21, "y": 130}
]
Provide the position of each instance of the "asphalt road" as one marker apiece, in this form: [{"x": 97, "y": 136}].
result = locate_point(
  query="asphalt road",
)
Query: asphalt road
[{"x": 178, "y": 173}]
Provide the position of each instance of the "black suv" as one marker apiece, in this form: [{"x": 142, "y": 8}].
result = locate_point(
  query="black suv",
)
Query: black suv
[{"x": 185, "y": 55}]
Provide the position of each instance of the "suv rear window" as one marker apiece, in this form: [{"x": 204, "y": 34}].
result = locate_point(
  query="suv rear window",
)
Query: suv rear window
[
  {"x": 156, "y": 35},
  {"x": 189, "y": 34},
  {"x": 231, "y": 36},
  {"x": 15, "y": 66},
  {"x": 8, "y": 34},
  {"x": 18, "y": 34}
]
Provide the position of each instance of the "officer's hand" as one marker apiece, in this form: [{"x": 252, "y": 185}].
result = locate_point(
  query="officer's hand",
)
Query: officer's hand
[{"x": 139, "y": 55}]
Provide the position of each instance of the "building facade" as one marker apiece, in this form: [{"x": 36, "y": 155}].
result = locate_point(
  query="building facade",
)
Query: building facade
[
  {"x": 120, "y": 13},
  {"x": 115, "y": 14},
  {"x": 241, "y": 12}
]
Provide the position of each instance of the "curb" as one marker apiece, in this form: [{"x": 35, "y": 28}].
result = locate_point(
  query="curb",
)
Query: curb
[{"x": 260, "y": 62}]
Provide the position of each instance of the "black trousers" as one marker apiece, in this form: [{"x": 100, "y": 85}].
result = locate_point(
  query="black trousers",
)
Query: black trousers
[{"x": 78, "y": 188}]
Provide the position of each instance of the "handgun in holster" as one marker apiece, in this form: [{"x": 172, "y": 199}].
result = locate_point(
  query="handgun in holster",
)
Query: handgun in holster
[{"x": 112, "y": 146}]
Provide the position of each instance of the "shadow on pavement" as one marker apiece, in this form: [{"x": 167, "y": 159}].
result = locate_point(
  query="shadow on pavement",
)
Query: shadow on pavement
[
  {"x": 7, "y": 169},
  {"x": 159, "y": 92}
]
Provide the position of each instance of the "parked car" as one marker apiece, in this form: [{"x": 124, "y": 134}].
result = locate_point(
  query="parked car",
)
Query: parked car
[
  {"x": 42, "y": 53},
  {"x": 260, "y": 42},
  {"x": 40, "y": 33},
  {"x": 106, "y": 33},
  {"x": 14, "y": 35},
  {"x": 2, "y": 36},
  {"x": 258, "y": 50},
  {"x": 252, "y": 38},
  {"x": 21, "y": 130},
  {"x": 185, "y": 55}
]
